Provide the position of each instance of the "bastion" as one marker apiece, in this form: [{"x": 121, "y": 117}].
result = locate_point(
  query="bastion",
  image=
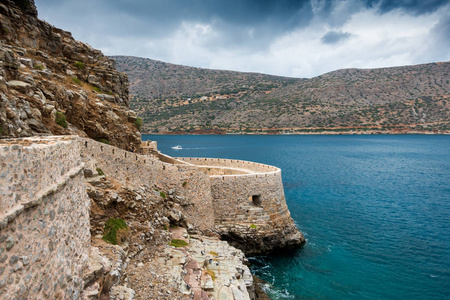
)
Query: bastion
[{"x": 44, "y": 207}]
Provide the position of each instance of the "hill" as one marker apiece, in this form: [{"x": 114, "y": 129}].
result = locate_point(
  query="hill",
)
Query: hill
[{"x": 179, "y": 99}]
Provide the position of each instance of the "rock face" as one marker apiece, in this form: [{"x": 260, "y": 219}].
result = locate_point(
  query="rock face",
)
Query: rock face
[{"x": 46, "y": 76}]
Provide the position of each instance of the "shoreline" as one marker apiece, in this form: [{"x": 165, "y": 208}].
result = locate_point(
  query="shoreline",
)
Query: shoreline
[{"x": 301, "y": 133}]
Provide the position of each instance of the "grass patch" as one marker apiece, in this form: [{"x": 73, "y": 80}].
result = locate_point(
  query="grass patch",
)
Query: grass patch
[
  {"x": 1, "y": 130},
  {"x": 163, "y": 195},
  {"x": 184, "y": 184},
  {"x": 80, "y": 65},
  {"x": 76, "y": 80},
  {"x": 115, "y": 231},
  {"x": 213, "y": 253},
  {"x": 97, "y": 89},
  {"x": 39, "y": 67},
  {"x": 178, "y": 243},
  {"x": 212, "y": 274},
  {"x": 100, "y": 172},
  {"x": 173, "y": 226},
  {"x": 253, "y": 226},
  {"x": 138, "y": 123},
  {"x": 104, "y": 141},
  {"x": 60, "y": 119}
]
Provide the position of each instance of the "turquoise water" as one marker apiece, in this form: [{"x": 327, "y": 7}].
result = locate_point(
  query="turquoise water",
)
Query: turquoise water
[{"x": 375, "y": 211}]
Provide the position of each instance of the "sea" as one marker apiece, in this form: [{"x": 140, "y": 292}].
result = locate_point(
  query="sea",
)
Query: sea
[{"x": 375, "y": 210}]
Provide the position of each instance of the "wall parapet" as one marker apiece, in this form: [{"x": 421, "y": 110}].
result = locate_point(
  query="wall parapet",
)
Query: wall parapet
[{"x": 233, "y": 167}]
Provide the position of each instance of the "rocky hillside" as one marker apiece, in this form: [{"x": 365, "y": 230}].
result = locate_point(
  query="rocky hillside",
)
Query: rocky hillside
[
  {"x": 52, "y": 84},
  {"x": 172, "y": 98}
]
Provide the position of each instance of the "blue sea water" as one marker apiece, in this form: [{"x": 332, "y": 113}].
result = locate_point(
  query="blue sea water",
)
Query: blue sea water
[{"x": 375, "y": 211}]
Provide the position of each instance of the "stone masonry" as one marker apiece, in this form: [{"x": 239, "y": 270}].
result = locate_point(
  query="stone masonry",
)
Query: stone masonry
[
  {"x": 44, "y": 207},
  {"x": 44, "y": 219}
]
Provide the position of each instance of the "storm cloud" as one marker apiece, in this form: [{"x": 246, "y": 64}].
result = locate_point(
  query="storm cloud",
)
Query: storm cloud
[{"x": 300, "y": 38}]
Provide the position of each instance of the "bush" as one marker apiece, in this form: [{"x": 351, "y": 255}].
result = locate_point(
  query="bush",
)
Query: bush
[
  {"x": 178, "y": 243},
  {"x": 22, "y": 4},
  {"x": 60, "y": 119},
  {"x": 162, "y": 194},
  {"x": 1, "y": 130},
  {"x": 104, "y": 141},
  {"x": 39, "y": 67},
  {"x": 76, "y": 80},
  {"x": 138, "y": 123},
  {"x": 80, "y": 65},
  {"x": 253, "y": 226},
  {"x": 112, "y": 227},
  {"x": 97, "y": 89},
  {"x": 184, "y": 184},
  {"x": 212, "y": 274},
  {"x": 100, "y": 172}
]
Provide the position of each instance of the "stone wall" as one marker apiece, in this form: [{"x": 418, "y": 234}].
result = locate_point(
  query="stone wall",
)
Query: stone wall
[
  {"x": 44, "y": 219},
  {"x": 189, "y": 186},
  {"x": 230, "y": 163},
  {"x": 249, "y": 205}
]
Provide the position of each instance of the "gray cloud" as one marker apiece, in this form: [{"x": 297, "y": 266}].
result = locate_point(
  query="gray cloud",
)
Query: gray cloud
[
  {"x": 334, "y": 37},
  {"x": 257, "y": 35}
]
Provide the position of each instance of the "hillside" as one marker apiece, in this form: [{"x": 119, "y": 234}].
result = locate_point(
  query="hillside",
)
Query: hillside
[
  {"x": 179, "y": 99},
  {"x": 51, "y": 84}
]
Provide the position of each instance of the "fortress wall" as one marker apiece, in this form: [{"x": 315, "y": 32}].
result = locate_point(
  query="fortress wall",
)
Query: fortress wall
[
  {"x": 30, "y": 165},
  {"x": 230, "y": 163},
  {"x": 189, "y": 185},
  {"x": 44, "y": 233},
  {"x": 249, "y": 199}
]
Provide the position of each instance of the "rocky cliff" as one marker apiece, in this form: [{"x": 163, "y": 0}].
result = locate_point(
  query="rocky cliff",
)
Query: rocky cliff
[{"x": 52, "y": 84}]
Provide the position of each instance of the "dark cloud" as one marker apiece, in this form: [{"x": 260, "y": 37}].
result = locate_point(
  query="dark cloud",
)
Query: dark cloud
[
  {"x": 259, "y": 35},
  {"x": 415, "y": 7},
  {"x": 334, "y": 37}
]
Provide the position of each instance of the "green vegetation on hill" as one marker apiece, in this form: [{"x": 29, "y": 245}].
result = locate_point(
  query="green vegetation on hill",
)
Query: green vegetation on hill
[{"x": 173, "y": 98}]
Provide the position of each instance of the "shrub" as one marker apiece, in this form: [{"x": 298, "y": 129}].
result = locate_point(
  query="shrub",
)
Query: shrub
[
  {"x": 100, "y": 172},
  {"x": 80, "y": 65},
  {"x": 138, "y": 123},
  {"x": 39, "y": 67},
  {"x": 112, "y": 228},
  {"x": 1, "y": 130},
  {"x": 212, "y": 274},
  {"x": 97, "y": 89},
  {"x": 76, "y": 80},
  {"x": 22, "y": 4},
  {"x": 162, "y": 194},
  {"x": 60, "y": 119},
  {"x": 104, "y": 141},
  {"x": 253, "y": 226},
  {"x": 184, "y": 184},
  {"x": 178, "y": 243},
  {"x": 213, "y": 253}
]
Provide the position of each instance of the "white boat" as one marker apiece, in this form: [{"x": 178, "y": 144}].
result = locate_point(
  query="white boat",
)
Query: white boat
[{"x": 177, "y": 147}]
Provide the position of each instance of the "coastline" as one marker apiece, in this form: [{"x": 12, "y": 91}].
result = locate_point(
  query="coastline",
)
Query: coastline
[{"x": 306, "y": 133}]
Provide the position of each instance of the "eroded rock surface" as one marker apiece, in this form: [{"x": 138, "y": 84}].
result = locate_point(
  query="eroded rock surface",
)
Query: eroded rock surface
[{"x": 43, "y": 70}]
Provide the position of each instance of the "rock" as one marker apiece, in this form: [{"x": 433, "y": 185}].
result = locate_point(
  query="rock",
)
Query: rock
[
  {"x": 98, "y": 265},
  {"x": 91, "y": 292},
  {"x": 21, "y": 86},
  {"x": 121, "y": 293},
  {"x": 208, "y": 284}
]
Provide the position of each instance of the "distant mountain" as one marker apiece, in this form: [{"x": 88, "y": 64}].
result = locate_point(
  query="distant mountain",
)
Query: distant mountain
[{"x": 179, "y": 99}]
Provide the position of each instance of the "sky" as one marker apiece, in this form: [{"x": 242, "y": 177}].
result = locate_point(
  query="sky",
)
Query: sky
[{"x": 302, "y": 38}]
